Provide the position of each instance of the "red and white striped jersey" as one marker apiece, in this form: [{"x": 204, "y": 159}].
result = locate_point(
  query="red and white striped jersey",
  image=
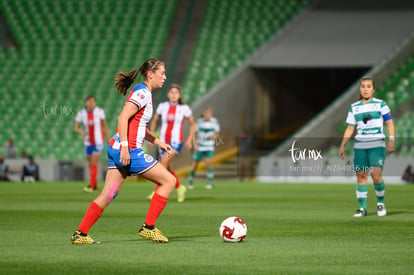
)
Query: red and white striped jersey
[
  {"x": 92, "y": 123},
  {"x": 172, "y": 120},
  {"x": 141, "y": 96}
]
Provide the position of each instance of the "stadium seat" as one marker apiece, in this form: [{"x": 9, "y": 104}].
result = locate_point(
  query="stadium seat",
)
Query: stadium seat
[
  {"x": 230, "y": 33},
  {"x": 67, "y": 50}
]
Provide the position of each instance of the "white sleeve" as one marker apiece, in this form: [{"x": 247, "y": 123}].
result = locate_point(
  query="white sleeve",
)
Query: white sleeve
[
  {"x": 351, "y": 119},
  {"x": 217, "y": 126},
  {"x": 385, "y": 109},
  {"x": 79, "y": 117},
  {"x": 139, "y": 98},
  {"x": 159, "y": 109},
  {"x": 102, "y": 114},
  {"x": 187, "y": 112}
]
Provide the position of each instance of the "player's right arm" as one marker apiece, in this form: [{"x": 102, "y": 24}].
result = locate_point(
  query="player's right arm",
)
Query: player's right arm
[
  {"x": 347, "y": 136},
  {"x": 78, "y": 129},
  {"x": 79, "y": 118},
  {"x": 195, "y": 136},
  {"x": 129, "y": 110}
]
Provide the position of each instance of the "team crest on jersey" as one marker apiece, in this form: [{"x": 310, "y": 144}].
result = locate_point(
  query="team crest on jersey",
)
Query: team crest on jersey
[
  {"x": 374, "y": 106},
  {"x": 170, "y": 117},
  {"x": 141, "y": 96},
  {"x": 148, "y": 158}
]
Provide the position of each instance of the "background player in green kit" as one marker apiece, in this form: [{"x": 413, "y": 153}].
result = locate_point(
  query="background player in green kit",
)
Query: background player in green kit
[
  {"x": 207, "y": 131},
  {"x": 368, "y": 116}
]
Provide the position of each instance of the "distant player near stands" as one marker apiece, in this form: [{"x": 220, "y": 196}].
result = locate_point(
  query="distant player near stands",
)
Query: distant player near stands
[
  {"x": 94, "y": 129},
  {"x": 207, "y": 133},
  {"x": 126, "y": 157},
  {"x": 368, "y": 116},
  {"x": 173, "y": 114}
]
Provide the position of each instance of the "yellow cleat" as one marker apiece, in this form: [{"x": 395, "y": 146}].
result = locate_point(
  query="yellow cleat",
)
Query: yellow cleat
[
  {"x": 89, "y": 189},
  {"x": 181, "y": 193},
  {"x": 152, "y": 234},
  {"x": 78, "y": 238}
]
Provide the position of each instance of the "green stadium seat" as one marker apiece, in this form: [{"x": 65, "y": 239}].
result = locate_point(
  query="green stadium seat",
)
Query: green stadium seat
[
  {"x": 68, "y": 51},
  {"x": 232, "y": 31}
]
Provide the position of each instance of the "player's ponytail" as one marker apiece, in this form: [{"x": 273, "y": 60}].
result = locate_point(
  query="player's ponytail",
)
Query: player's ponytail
[{"x": 123, "y": 80}]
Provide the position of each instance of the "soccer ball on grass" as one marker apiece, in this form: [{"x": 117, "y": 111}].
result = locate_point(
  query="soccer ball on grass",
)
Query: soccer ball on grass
[{"x": 233, "y": 229}]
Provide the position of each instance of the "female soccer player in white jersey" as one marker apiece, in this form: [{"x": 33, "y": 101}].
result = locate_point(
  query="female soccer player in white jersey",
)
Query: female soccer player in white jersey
[
  {"x": 172, "y": 114},
  {"x": 207, "y": 132},
  {"x": 368, "y": 116},
  {"x": 125, "y": 154},
  {"x": 94, "y": 128}
]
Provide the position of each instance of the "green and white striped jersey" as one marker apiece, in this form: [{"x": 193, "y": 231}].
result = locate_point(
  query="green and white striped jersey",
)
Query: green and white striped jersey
[
  {"x": 205, "y": 129},
  {"x": 369, "y": 121}
]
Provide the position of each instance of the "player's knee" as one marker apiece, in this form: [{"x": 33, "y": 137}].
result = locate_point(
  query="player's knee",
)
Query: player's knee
[
  {"x": 361, "y": 179},
  {"x": 377, "y": 179},
  {"x": 362, "y": 175},
  {"x": 169, "y": 183},
  {"x": 172, "y": 181}
]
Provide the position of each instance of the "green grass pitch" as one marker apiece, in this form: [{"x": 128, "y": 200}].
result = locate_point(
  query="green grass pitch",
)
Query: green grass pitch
[{"x": 292, "y": 229}]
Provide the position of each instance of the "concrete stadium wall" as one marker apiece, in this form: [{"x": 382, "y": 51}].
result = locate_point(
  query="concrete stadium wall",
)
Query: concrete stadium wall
[
  {"x": 272, "y": 169},
  {"x": 324, "y": 125},
  {"x": 54, "y": 170},
  {"x": 233, "y": 104}
]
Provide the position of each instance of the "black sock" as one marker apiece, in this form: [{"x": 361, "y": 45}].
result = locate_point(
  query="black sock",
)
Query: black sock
[{"x": 150, "y": 227}]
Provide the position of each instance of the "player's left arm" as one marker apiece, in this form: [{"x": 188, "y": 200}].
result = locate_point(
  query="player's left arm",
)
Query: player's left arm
[
  {"x": 150, "y": 136},
  {"x": 216, "y": 134},
  {"x": 391, "y": 131},
  {"x": 386, "y": 116},
  {"x": 191, "y": 134},
  {"x": 105, "y": 129}
]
